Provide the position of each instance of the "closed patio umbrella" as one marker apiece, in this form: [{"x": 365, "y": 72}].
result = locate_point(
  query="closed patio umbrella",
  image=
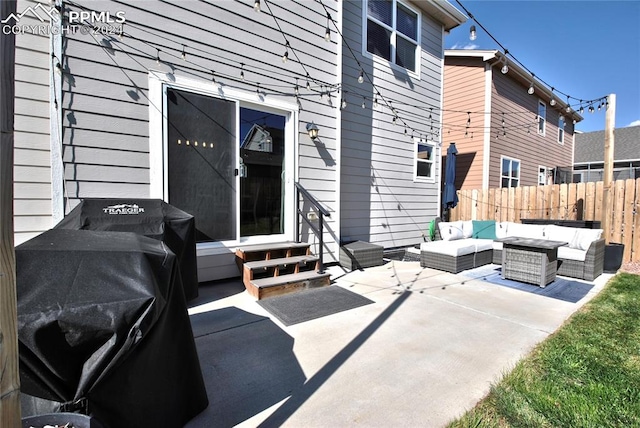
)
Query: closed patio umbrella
[{"x": 450, "y": 197}]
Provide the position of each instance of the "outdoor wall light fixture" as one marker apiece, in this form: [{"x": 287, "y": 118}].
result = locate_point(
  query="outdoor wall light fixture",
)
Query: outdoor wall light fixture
[{"x": 313, "y": 130}]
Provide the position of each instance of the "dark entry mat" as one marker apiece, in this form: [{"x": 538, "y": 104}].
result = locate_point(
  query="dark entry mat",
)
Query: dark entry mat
[{"x": 311, "y": 304}]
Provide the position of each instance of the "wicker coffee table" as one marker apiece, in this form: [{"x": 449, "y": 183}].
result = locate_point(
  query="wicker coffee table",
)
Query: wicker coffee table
[{"x": 528, "y": 260}]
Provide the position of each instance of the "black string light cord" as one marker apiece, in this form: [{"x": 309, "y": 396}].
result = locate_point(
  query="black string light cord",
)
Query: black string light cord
[
  {"x": 398, "y": 109},
  {"x": 582, "y": 102}
]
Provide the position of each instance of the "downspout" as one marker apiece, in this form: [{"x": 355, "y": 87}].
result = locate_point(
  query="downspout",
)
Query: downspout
[
  {"x": 441, "y": 122},
  {"x": 486, "y": 151},
  {"x": 338, "y": 218},
  {"x": 56, "y": 79}
]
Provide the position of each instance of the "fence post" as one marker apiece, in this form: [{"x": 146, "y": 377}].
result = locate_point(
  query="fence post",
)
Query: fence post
[{"x": 609, "y": 143}]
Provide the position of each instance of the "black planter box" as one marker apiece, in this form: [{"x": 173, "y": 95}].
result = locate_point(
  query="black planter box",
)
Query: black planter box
[{"x": 613, "y": 257}]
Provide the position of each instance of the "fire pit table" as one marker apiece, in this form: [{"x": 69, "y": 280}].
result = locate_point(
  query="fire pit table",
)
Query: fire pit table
[{"x": 530, "y": 260}]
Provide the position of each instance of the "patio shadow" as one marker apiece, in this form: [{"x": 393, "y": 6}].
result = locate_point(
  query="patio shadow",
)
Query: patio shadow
[{"x": 247, "y": 363}]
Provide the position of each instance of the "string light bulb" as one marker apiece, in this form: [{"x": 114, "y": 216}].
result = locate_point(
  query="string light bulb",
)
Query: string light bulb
[
  {"x": 344, "y": 103},
  {"x": 505, "y": 67},
  {"x": 285, "y": 56},
  {"x": 327, "y": 32},
  {"x": 256, "y": 6},
  {"x": 242, "y": 72},
  {"x": 472, "y": 33},
  {"x": 157, "y": 56},
  {"x": 308, "y": 84},
  {"x": 184, "y": 53},
  {"x": 375, "y": 102},
  {"x": 531, "y": 89},
  {"x": 363, "y": 102},
  {"x": 361, "y": 77}
]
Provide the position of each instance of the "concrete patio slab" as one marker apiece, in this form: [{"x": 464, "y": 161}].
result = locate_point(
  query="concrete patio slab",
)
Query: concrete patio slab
[{"x": 424, "y": 352}]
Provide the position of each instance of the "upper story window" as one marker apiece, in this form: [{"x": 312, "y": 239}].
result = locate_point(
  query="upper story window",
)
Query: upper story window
[
  {"x": 392, "y": 33},
  {"x": 542, "y": 117},
  {"x": 424, "y": 160},
  {"x": 561, "y": 130},
  {"x": 509, "y": 172}
]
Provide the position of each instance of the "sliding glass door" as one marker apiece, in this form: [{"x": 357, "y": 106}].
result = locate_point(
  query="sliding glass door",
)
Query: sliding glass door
[{"x": 225, "y": 165}]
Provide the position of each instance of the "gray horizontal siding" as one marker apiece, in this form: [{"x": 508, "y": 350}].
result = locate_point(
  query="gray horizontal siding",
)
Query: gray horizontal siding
[
  {"x": 381, "y": 202},
  {"x": 106, "y": 96},
  {"x": 32, "y": 160}
]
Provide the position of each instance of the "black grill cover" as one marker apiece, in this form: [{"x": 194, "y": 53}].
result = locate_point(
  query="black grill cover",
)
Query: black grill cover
[
  {"x": 102, "y": 322},
  {"x": 149, "y": 217}
]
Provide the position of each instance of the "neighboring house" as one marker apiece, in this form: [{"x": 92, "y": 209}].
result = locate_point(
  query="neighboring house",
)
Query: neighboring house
[
  {"x": 505, "y": 136},
  {"x": 205, "y": 105},
  {"x": 589, "y": 155}
]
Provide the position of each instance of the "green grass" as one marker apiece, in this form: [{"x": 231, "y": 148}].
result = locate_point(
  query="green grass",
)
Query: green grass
[{"x": 587, "y": 374}]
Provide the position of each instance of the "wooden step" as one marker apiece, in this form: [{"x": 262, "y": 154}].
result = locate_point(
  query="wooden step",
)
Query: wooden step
[
  {"x": 278, "y": 285},
  {"x": 249, "y": 269},
  {"x": 270, "y": 251},
  {"x": 270, "y": 247},
  {"x": 259, "y": 264}
]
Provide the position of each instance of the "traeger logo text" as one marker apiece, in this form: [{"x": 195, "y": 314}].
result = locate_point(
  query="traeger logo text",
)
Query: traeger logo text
[{"x": 123, "y": 209}]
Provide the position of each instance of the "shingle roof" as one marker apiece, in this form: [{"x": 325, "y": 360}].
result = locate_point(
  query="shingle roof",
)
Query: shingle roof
[{"x": 589, "y": 146}]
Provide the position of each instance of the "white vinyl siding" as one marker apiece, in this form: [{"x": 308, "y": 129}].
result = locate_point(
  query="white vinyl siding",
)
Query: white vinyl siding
[
  {"x": 33, "y": 210},
  {"x": 382, "y": 202},
  {"x": 107, "y": 102}
]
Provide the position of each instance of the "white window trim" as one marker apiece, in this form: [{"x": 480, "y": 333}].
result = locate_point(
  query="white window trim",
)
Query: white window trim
[
  {"x": 416, "y": 177},
  {"x": 157, "y": 138},
  {"x": 544, "y": 124},
  {"x": 502, "y": 158},
  {"x": 561, "y": 131},
  {"x": 376, "y": 59},
  {"x": 547, "y": 170}
]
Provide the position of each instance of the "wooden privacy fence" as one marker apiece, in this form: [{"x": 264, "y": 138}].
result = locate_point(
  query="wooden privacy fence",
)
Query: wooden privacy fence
[{"x": 575, "y": 201}]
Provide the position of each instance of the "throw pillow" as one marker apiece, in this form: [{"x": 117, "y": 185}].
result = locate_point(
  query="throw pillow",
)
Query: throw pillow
[
  {"x": 484, "y": 229},
  {"x": 584, "y": 238},
  {"x": 467, "y": 228},
  {"x": 450, "y": 231}
]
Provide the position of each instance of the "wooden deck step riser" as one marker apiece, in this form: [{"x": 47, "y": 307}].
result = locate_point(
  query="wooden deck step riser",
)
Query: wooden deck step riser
[
  {"x": 277, "y": 267},
  {"x": 290, "y": 268},
  {"x": 279, "y": 290}
]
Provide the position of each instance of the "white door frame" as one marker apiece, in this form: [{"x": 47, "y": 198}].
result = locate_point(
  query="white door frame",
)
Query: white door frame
[{"x": 158, "y": 82}]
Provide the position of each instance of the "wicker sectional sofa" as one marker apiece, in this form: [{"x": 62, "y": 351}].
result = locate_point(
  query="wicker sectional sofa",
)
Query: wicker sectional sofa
[{"x": 462, "y": 245}]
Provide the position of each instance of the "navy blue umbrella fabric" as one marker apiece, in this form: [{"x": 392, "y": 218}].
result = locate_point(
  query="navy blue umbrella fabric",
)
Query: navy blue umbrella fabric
[{"x": 450, "y": 197}]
